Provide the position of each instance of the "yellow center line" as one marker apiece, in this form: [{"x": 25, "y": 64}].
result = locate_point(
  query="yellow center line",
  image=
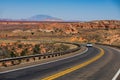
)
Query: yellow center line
[{"x": 54, "y": 76}]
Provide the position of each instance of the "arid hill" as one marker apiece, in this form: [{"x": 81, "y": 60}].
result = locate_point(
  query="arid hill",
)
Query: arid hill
[
  {"x": 104, "y": 31},
  {"x": 24, "y": 25}
]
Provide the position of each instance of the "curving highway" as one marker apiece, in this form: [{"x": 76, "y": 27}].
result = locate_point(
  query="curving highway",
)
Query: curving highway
[{"x": 104, "y": 68}]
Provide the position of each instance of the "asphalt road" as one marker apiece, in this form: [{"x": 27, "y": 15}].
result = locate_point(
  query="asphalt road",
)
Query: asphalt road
[
  {"x": 118, "y": 78},
  {"x": 103, "y": 69}
]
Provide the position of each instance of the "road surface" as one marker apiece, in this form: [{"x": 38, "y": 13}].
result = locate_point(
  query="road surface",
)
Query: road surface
[{"x": 104, "y": 68}]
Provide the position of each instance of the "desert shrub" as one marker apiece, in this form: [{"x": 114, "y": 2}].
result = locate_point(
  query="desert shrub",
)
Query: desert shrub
[
  {"x": 12, "y": 54},
  {"x": 36, "y": 49},
  {"x": 24, "y": 52}
]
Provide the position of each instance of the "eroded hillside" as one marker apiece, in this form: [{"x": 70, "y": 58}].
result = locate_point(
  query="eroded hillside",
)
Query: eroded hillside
[{"x": 104, "y": 31}]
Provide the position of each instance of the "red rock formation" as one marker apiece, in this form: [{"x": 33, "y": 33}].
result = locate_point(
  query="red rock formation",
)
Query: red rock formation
[{"x": 67, "y": 27}]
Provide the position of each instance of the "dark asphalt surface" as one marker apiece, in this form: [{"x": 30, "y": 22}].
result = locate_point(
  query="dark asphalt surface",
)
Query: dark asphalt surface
[
  {"x": 118, "y": 77},
  {"x": 102, "y": 69}
]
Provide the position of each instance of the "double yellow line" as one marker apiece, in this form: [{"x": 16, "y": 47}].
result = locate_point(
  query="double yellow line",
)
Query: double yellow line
[{"x": 54, "y": 76}]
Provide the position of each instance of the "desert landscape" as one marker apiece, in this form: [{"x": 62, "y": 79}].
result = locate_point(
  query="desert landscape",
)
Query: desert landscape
[
  {"x": 59, "y": 40},
  {"x": 101, "y": 31},
  {"x": 15, "y": 36}
]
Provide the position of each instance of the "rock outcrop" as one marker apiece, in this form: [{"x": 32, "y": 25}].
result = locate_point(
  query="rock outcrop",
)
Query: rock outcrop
[{"x": 68, "y": 27}]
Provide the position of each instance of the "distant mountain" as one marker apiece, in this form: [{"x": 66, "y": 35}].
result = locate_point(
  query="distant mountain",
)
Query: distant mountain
[
  {"x": 43, "y": 18},
  {"x": 35, "y": 18}
]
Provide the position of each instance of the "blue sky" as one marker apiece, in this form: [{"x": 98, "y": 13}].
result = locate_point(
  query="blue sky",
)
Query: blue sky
[{"x": 65, "y": 9}]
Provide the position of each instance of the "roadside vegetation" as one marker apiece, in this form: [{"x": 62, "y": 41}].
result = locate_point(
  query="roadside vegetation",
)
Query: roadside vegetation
[{"x": 16, "y": 49}]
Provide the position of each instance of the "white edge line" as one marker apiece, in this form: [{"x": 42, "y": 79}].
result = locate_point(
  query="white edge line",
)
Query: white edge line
[
  {"x": 116, "y": 75},
  {"x": 118, "y": 72},
  {"x": 43, "y": 63}
]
